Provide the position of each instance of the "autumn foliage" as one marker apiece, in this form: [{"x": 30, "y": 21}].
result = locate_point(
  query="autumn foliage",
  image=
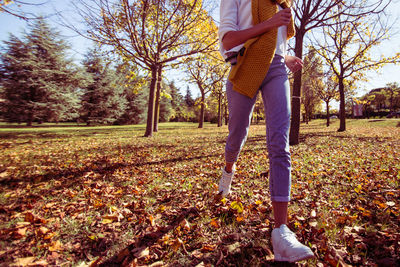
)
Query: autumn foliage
[{"x": 107, "y": 196}]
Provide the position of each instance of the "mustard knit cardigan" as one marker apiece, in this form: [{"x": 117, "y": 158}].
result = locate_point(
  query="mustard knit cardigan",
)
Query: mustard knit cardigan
[{"x": 252, "y": 65}]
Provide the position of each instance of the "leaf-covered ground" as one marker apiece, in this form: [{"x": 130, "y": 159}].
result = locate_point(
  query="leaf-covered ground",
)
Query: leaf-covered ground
[{"x": 107, "y": 196}]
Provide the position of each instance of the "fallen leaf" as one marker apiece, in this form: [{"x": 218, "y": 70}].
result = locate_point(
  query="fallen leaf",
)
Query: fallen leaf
[
  {"x": 55, "y": 246},
  {"x": 107, "y": 221},
  {"x": 214, "y": 223},
  {"x": 43, "y": 230},
  {"x": 208, "y": 248},
  {"x": 313, "y": 214},
  {"x": 239, "y": 218},
  {"x": 20, "y": 233},
  {"x": 29, "y": 217},
  {"x": 185, "y": 225},
  {"x": 390, "y": 203},
  {"x": 141, "y": 252},
  {"x": 23, "y": 261},
  {"x": 176, "y": 244},
  {"x": 238, "y": 206}
]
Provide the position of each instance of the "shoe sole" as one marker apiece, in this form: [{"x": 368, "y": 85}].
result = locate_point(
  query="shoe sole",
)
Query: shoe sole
[{"x": 293, "y": 259}]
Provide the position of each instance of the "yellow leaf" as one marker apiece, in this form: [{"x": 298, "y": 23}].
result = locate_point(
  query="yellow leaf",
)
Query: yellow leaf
[
  {"x": 161, "y": 208},
  {"x": 358, "y": 189},
  {"x": 223, "y": 201},
  {"x": 107, "y": 221},
  {"x": 93, "y": 237},
  {"x": 237, "y": 206},
  {"x": 55, "y": 246}
]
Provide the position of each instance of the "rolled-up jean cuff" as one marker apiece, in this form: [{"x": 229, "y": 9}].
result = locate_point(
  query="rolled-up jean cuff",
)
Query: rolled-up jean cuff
[{"x": 280, "y": 199}]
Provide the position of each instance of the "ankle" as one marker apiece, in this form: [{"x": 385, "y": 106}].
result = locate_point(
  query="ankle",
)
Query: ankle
[
  {"x": 229, "y": 167},
  {"x": 278, "y": 225}
]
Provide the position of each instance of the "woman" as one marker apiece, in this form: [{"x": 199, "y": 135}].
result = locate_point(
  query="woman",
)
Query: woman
[{"x": 253, "y": 36}]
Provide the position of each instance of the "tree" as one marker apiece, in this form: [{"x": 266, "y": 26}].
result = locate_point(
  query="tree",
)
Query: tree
[
  {"x": 189, "y": 101},
  {"x": 177, "y": 102},
  {"x": 392, "y": 91},
  {"x": 309, "y": 16},
  {"x": 151, "y": 33},
  {"x": 313, "y": 73},
  {"x": 103, "y": 101},
  {"x": 327, "y": 92},
  {"x": 205, "y": 71},
  {"x": 133, "y": 84},
  {"x": 347, "y": 48},
  {"x": 13, "y": 7},
  {"x": 380, "y": 100},
  {"x": 219, "y": 94},
  {"x": 219, "y": 76},
  {"x": 40, "y": 83}
]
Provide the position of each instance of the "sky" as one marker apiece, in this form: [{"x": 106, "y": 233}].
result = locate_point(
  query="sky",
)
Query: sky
[{"x": 79, "y": 45}]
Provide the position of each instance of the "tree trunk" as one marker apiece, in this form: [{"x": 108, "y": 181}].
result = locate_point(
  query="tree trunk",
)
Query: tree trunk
[
  {"x": 157, "y": 102},
  {"x": 30, "y": 119},
  {"x": 219, "y": 110},
  {"x": 226, "y": 114},
  {"x": 202, "y": 111},
  {"x": 150, "y": 108},
  {"x": 295, "y": 121},
  {"x": 342, "y": 111},
  {"x": 327, "y": 114}
]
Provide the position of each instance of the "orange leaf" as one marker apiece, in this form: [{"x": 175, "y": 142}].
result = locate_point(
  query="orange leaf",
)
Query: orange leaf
[
  {"x": 176, "y": 244},
  {"x": 239, "y": 218},
  {"x": 214, "y": 223},
  {"x": 55, "y": 246},
  {"x": 29, "y": 217}
]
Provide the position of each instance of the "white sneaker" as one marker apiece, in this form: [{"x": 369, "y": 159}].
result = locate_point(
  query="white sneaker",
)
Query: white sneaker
[
  {"x": 287, "y": 248},
  {"x": 224, "y": 186}
]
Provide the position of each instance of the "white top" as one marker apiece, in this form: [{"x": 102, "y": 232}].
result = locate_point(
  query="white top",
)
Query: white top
[{"x": 235, "y": 15}]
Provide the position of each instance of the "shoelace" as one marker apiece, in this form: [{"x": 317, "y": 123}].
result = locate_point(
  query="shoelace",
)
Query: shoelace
[
  {"x": 225, "y": 180},
  {"x": 290, "y": 238}
]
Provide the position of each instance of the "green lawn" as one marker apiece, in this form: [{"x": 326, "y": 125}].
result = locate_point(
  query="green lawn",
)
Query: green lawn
[{"x": 75, "y": 195}]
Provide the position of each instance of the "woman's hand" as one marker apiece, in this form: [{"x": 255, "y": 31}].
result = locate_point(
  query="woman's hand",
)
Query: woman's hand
[
  {"x": 293, "y": 63},
  {"x": 282, "y": 18}
]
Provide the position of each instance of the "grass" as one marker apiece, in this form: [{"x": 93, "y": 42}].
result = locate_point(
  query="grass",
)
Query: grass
[{"x": 73, "y": 194}]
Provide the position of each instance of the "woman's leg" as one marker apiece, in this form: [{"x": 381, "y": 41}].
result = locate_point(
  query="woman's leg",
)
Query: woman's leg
[
  {"x": 276, "y": 98},
  {"x": 240, "y": 111}
]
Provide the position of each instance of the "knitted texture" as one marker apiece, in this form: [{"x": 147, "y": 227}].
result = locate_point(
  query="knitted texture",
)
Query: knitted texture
[{"x": 252, "y": 65}]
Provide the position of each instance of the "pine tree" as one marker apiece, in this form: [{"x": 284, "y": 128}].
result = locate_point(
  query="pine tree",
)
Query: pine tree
[
  {"x": 188, "y": 98},
  {"x": 103, "y": 100},
  {"x": 176, "y": 103},
  {"x": 40, "y": 83}
]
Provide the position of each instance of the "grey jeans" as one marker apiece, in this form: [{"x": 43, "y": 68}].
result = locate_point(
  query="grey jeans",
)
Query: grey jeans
[{"x": 275, "y": 92}]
